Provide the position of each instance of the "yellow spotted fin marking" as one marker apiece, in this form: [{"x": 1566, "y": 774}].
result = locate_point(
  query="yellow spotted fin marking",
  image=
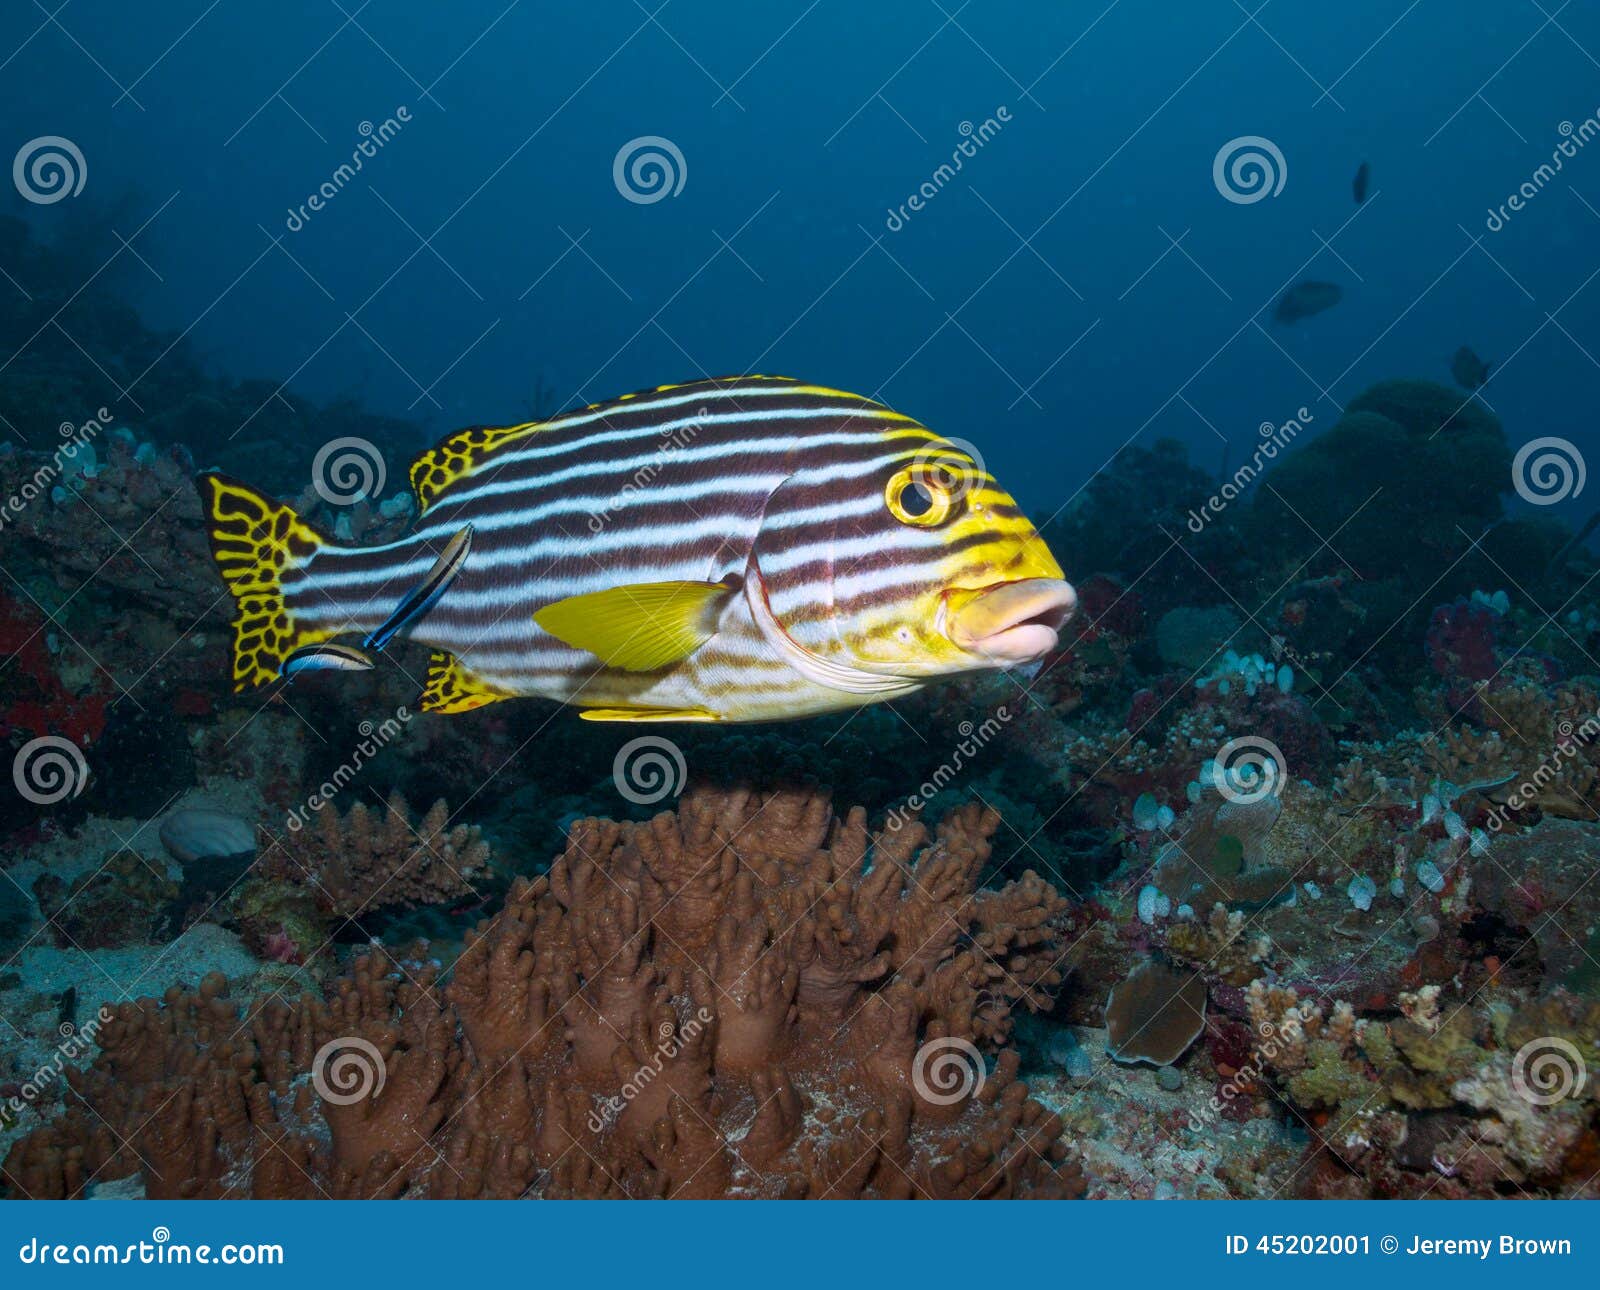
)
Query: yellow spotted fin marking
[
  {"x": 638, "y": 628},
  {"x": 255, "y": 541},
  {"x": 648, "y": 714},
  {"x": 450, "y": 687},
  {"x": 458, "y": 456}
]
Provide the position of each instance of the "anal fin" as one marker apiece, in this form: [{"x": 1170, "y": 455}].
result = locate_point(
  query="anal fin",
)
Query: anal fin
[
  {"x": 648, "y": 714},
  {"x": 450, "y": 687}
]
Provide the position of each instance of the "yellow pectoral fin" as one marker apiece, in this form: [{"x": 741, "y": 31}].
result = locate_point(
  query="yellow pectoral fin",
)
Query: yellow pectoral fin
[
  {"x": 648, "y": 714},
  {"x": 638, "y": 628}
]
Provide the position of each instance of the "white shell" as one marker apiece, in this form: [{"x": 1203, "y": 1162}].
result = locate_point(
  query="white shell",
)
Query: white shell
[{"x": 203, "y": 835}]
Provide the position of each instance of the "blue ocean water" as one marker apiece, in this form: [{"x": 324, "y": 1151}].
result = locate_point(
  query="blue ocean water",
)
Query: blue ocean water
[
  {"x": 1036, "y": 306},
  {"x": 1271, "y": 876}
]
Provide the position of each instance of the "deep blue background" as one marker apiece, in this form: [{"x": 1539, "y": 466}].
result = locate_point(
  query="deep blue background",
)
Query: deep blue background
[{"x": 801, "y": 125}]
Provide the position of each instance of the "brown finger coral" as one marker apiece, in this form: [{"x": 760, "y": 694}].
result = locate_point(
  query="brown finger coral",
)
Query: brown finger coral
[{"x": 751, "y": 997}]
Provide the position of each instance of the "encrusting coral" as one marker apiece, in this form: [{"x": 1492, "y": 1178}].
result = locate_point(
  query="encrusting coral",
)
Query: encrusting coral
[
  {"x": 1447, "y": 1099},
  {"x": 752, "y": 997}
]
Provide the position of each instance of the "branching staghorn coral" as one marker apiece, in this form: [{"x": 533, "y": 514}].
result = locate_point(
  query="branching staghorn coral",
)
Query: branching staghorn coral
[
  {"x": 1529, "y": 747},
  {"x": 751, "y": 997},
  {"x": 366, "y": 860}
]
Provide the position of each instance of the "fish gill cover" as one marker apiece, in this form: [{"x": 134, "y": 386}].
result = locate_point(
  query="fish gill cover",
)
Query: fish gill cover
[{"x": 589, "y": 612}]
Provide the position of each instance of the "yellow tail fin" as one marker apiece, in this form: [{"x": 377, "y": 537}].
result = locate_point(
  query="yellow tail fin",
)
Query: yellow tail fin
[{"x": 255, "y": 541}]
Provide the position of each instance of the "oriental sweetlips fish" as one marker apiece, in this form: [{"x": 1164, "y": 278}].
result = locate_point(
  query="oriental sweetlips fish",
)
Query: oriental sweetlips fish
[{"x": 743, "y": 549}]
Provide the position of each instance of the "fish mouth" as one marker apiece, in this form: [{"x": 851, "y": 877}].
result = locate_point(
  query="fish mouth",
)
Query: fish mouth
[{"x": 1010, "y": 622}]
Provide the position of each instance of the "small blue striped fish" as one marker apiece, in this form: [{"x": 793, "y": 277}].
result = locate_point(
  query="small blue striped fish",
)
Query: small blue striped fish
[{"x": 744, "y": 549}]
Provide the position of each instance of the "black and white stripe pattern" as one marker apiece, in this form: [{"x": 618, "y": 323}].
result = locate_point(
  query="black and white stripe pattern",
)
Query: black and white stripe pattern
[{"x": 676, "y": 484}]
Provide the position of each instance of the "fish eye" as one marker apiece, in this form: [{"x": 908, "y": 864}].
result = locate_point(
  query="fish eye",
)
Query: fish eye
[{"x": 920, "y": 496}]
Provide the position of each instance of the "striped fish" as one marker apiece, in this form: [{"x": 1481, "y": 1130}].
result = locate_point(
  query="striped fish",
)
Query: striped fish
[{"x": 742, "y": 549}]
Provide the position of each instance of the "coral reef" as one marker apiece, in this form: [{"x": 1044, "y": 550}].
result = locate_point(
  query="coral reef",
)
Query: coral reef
[
  {"x": 1463, "y": 1101},
  {"x": 1362, "y": 961},
  {"x": 365, "y": 860},
  {"x": 125, "y": 899},
  {"x": 732, "y": 1000},
  {"x": 328, "y": 877}
]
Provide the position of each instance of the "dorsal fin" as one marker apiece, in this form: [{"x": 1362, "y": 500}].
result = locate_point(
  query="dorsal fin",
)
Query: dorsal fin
[{"x": 460, "y": 454}]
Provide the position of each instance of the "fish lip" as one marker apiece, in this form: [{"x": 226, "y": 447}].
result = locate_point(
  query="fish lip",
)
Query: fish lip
[{"x": 1011, "y": 622}]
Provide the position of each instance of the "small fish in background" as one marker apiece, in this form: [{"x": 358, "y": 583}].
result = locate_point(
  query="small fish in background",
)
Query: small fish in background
[
  {"x": 1469, "y": 370},
  {"x": 1306, "y": 298},
  {"x": 1359, "y": 186}
]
